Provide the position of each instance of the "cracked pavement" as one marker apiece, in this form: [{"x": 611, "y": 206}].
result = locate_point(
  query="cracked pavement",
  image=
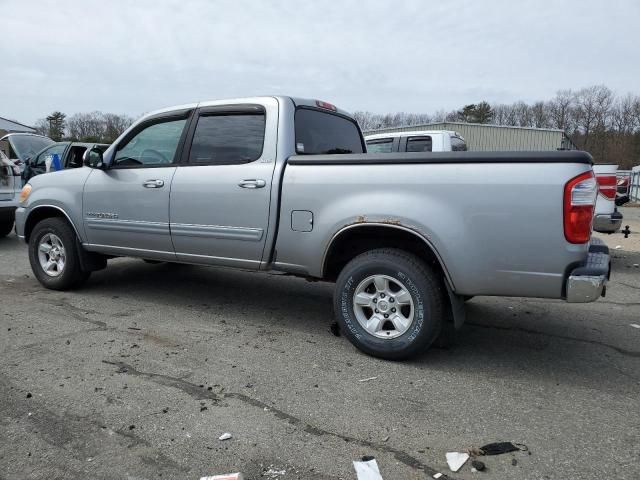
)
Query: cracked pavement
[{"x": 138, "y": 374}]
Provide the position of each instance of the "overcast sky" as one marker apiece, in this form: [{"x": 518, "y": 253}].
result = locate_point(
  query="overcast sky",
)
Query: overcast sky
[{"x": 382, "y": 56}]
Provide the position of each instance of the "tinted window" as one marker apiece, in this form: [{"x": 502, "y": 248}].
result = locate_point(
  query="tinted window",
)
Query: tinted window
[
  {"x": 419, "y": 144},
  {"x": 380, "y": 146},
  {"x": 458, "y": 144},
  {"x": 320, "y": 132},
  {"x": 155, "y": 145},
  {"x": 228, "y": 139}
]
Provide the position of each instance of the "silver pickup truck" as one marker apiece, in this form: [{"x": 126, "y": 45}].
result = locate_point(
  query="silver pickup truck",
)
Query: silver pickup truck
[{"x": 279, "y": 183}]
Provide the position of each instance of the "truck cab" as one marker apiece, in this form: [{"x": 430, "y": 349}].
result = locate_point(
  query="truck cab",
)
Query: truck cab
[{"x": 416, "y": 141}]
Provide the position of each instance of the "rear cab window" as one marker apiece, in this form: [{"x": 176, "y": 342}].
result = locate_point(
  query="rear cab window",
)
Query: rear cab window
[
  {"x": 380, "y": 145},
  {"x": 319, "y": 132}
]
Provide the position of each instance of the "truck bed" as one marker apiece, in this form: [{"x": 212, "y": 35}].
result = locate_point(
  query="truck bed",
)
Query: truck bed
[{"x": 495, "y": 220}]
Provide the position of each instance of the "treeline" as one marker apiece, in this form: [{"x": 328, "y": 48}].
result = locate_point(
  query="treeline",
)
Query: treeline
[
  {"x": 96, "y": 126},
  {"x": 597, "y": 120}
]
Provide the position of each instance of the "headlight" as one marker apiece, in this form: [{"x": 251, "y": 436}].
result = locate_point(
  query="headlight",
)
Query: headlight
[{"x": 24, "y": 194}]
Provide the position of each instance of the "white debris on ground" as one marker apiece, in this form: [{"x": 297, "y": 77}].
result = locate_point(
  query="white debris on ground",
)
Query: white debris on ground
[
  {"x": 228, "y": 476},
  {"x": 225, "y": 436},
  {"x": 273, "y": 473},
  {"x": 367, "y": 470},
  {"x": 456, "y": 460}
]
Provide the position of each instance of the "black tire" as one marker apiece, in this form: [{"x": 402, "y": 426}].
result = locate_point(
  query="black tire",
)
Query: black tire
[
  {"x": 6, "y": 223},
  {"x": 72, "y": 275},
  {"x": 421, "y": 281}
]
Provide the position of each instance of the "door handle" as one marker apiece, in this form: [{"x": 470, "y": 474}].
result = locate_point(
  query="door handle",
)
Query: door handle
[
  {"x": 252, "y": 183},
  {"x": 153, "y": 184}
]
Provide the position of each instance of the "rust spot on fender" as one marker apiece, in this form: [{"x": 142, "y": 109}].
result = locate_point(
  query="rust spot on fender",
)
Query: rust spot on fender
[{"x": 390, "y": 221}]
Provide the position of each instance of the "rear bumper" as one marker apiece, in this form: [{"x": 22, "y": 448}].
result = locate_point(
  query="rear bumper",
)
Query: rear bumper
[
  {"x": 587, "y": 282},
  {"x": 608, "y": 223}
]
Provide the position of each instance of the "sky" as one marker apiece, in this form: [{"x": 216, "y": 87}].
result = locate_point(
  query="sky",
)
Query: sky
[{"x": 131, "y": 57}]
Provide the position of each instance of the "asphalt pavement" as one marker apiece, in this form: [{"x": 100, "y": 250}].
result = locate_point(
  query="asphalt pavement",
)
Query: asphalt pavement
[{"x": 139, "y": 373}]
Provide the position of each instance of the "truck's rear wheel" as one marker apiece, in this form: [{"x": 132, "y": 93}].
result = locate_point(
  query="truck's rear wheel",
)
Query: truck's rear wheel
[
  {"x": 6, "y": 223},
  {"x": 53, "y": 256},
  {"x": 389, "y": 304}
]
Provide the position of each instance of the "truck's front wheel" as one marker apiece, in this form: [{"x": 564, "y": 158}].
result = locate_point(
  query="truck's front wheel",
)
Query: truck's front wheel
[
  {"x": 389, "y": 303},
  {"x": 53, "y": 255}
]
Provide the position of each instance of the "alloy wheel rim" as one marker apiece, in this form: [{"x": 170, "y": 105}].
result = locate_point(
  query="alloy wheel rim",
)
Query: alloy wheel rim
[
  {"x": 52, "y": 255},
  {"x": 383, "y": 306}
]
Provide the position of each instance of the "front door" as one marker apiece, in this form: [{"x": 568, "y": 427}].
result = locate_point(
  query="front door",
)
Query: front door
[
  {"x": 220, "y": 194},
  {"x": 126, "y": 207}
]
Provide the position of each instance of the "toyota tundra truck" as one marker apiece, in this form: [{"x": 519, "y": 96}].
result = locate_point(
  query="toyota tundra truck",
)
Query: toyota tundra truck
[{"x": 284, "y": 184}]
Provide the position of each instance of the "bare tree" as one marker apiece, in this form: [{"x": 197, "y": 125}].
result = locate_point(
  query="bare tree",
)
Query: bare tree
[
  {"x": 42, "y": 127},
  {"x": 562, "y": 109},
  {"x": 540, "y": 115}
]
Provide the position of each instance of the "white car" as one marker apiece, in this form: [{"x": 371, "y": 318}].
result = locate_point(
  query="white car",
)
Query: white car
[
  {"x": 606, "y": 218},
  {"x": 416, "y": 141}
]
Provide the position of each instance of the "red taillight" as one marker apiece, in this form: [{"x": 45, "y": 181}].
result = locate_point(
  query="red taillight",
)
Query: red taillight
[
  {"x": 607, "y": 185},
  {"x": 326, "y": 105},
  {"x": 579, "y": 199}
]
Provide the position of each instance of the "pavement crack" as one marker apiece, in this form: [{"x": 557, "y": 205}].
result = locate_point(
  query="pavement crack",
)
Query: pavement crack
[
  {"x": 622, "y": 351},
  {"x": 198, "y": 393},
  {"x": 79, "y": 314},
  {"x": 635, "y": 287}
]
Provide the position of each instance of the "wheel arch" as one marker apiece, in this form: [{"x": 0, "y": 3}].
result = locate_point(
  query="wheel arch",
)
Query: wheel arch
[
  {"x": 42, "y": 212},
  {"x": 352, "y": 240}
]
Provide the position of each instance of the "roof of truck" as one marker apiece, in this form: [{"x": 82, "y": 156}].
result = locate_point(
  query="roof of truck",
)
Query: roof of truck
[{"x": 297, "y": 101}]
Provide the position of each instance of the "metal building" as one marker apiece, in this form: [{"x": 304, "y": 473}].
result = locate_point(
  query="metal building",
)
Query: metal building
[
  {"x": 482, "y": 137},
  {"x": 11, "y": 126}
]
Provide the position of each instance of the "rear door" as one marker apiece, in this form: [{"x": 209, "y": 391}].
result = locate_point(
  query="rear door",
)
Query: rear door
[
  {"x": 126, "y": 208},
  {"x": 220, "y": 195}
]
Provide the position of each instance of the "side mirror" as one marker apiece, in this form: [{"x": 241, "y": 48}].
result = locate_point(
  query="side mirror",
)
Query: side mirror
[{"x": 92, "y": 158}]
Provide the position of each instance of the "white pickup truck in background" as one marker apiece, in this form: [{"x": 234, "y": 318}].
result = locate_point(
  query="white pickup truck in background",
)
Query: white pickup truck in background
[
  {"x": 606, "y": 218},
  {"x": 416, "y": 141}
]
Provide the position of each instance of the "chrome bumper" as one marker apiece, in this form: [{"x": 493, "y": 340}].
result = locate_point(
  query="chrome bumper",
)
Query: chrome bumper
[
  {"x": 607, "y": 223},
  {"x": 588, "y": 282}
]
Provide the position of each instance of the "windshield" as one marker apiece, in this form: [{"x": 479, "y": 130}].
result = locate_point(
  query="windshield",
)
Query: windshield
[
  {"x": 26, "y": 146},
  {"x": 325, "y": 133}
]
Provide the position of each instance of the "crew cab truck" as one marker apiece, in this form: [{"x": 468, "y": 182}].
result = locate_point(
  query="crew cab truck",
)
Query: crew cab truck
[{"x": 280, "y": 183}]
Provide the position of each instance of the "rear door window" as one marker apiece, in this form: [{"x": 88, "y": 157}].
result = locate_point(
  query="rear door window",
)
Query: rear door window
[
  {"x": 228, "y": 139},
  {"x": 381, "y": 145},
  {"x": 319, "y": 133},
  {"x": 419, "y": 144}
]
